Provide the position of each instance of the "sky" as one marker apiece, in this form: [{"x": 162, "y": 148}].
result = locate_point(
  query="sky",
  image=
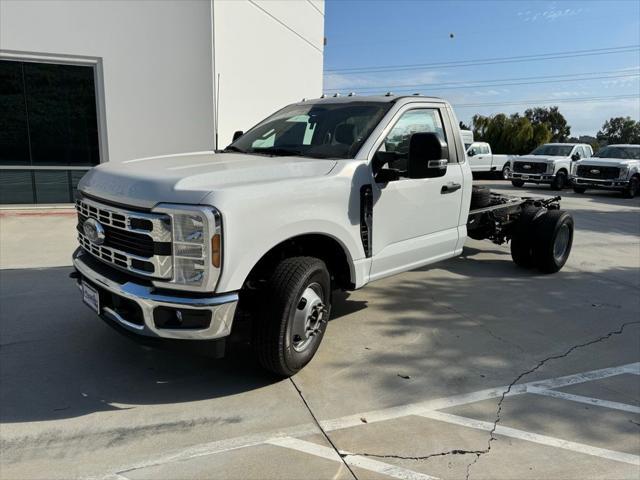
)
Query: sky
[{"x": 583, "y": 56}]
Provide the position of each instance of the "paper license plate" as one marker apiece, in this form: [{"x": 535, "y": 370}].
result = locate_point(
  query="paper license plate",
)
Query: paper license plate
[{"x": 91, "y": 297}]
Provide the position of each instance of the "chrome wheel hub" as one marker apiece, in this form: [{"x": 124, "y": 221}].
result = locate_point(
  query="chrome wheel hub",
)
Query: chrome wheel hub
[
  {"x": 561, "y": 243},
  {"x": 309, "y": 317}
]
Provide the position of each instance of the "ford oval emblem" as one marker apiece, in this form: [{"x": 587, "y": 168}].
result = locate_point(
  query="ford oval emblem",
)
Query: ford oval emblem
[
  {"x": 527, "y": 167},
  {"x": 594, "y": 171},
  {"x": 93, "y": 231}
]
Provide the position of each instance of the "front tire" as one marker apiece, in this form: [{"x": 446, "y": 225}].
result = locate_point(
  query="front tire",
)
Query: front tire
[
  {"x": 632, "y": 189},
  {"x": 517, "y": 183},
  {"x": 552, "y": 240},
  {"x": 559, "y": 181},
  {"x": 506, "y": 172},
  {"x": 296, "y": 311}
]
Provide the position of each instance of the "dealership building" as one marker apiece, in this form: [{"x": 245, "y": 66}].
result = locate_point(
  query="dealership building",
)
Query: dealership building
[{"x": 86, "y": 82}]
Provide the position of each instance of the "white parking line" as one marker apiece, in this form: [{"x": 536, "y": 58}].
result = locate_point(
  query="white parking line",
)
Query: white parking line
[
  {"x": 353, "y": 460},
  {"x": 536, "y": 438},
  {"x": 419, "y": 408},
  {"x": 466, "y": 398},
  {"x": 581, "y": 399}
]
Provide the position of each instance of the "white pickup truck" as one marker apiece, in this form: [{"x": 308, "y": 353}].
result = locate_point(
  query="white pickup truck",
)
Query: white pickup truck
[
  {"x": 481, "y": 159},
  {"x": 324, "y": 194},
  {"x": 614, "y": 167},
  {"x": 549, "y": 163}
]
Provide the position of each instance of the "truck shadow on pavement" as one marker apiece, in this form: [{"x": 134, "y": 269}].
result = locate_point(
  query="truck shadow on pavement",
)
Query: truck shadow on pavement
[{"x": 57, "y": 360}]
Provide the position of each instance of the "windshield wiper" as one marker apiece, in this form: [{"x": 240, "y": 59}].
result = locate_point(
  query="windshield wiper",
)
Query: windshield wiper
[
  {"x": 275, "y": 151},
  {"x": 233, "y": 148}
]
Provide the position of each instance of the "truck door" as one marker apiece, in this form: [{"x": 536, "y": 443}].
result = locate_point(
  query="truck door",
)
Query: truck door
[{"x": 415, "y": 221}]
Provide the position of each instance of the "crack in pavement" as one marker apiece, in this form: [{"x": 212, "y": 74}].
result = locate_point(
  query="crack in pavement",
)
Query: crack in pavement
[
  {"x": 322, "y": 430},
  {"x": 492, "y": 437}
]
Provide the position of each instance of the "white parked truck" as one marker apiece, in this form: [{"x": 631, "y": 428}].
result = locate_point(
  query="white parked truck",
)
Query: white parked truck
[
  {"x": 614, "y": 167},
  {"x": 481, "y": 159},
  {"x": 324, "y": 194},
  {"x": 549, "y": 164}
]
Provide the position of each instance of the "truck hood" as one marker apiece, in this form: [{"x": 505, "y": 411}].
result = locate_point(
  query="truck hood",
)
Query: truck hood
[
  {"x": 606, "y": 162},
  {"x": 188, "y": 178},
  {"x": 540, "y": 158}
]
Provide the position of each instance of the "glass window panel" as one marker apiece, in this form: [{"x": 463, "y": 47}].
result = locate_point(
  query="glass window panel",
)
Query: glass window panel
[
  {"x": 61, "y": 106},
  {"x": 14, "y": 138},
  {"x": 52, "y": 186},
  {"x": 16, "y": 186},
  {"x": 76, "y": 175}
]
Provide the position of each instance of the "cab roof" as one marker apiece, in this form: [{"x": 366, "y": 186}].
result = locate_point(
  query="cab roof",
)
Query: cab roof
[{"x": 388, "y": 98}]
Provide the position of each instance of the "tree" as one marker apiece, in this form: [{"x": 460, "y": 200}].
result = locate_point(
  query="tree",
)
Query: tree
[
  {"x": 512, "y": 134},
  {"x": 463, "y": 126},
  {"x": 620, "y": 130},
  {"x": 551, "y": 117}
]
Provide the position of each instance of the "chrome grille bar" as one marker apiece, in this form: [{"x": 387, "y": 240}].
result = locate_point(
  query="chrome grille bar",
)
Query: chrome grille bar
[{"x": 156, "y": 226}]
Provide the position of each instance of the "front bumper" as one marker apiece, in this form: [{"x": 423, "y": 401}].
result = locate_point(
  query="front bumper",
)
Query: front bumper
[
  {"x": 153, "y": 307},
  {"x": 609, "y": 184},
  {"x": 533, "y": 177}
]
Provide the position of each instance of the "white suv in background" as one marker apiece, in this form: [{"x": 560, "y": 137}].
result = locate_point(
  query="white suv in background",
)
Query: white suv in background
[
  {"x": 614, "y": 167},
  {"x": 549, "y": 163}
]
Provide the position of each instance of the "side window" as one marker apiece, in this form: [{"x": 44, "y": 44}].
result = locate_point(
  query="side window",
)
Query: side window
[
  {"x": 588, "y": 152},
  {"x": 413, "y": 121},
  {"x": 485, "y": 150},
  {"x": 578, "y": 151},
  {"x": 390, "y": 161}
]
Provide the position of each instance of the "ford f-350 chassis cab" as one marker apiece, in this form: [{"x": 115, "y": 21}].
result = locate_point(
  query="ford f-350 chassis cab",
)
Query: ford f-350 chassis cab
[
  {"x": 324, "y": 194},
  {"x": 550, "y": 163}
]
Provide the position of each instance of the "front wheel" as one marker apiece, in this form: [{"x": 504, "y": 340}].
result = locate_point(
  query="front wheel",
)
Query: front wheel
[
  {"x": 517, "y": 183},
  {"x": 552, "y": 240},
  {"x": 506, "y": 172},
  {"x": 632, "y": 189},
  {"x": 579, "y": 189},
  {"x": 559, "y": 181},
  {"x": 296, "y": 311}
]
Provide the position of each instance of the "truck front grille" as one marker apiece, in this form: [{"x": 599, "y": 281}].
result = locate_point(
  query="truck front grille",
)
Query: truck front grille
[
  {"x": 136, "y": 241},
  {"x": 529, "y": 167},
  {"x": 593, "y": 171}
]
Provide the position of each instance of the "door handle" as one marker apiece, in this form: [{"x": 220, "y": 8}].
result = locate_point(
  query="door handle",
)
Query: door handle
[{"x": 450, "y": 187}]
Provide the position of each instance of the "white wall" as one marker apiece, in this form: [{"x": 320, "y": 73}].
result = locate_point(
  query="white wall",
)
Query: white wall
[
  {"x": 263, "y": 64},
  {"x": 156, "y": 59}
]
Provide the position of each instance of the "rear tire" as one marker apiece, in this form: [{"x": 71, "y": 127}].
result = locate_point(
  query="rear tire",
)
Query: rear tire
[
  {"x": 559, "y": 182},
  {"x": 521, "y": 241},
  {"x": 579, "y": 189},
  {"x": 480, "y": 197},
  {"x": 296, "y": 311},
  {"x": 632, "y": 189},
  {"x": 517, "y": 183},
  {"x": 552, "y": 240}
]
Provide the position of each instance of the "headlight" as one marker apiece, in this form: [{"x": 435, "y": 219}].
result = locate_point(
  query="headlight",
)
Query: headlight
[
  {"x": 551, "y": 167},
  {"x": 197, "y": 247},
  {"x": 624, "y": 172}
]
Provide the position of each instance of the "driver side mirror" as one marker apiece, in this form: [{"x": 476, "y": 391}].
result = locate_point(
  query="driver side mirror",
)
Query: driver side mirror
[
  {"x": 237, "y": 134},
  {"x": 428, "y": 156},
  {"x": 575, "y": 156}
]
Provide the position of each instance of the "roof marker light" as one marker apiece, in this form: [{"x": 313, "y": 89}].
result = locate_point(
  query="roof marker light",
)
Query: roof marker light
[
  {"x": 388, "y": 94},
  {"x": 352, "y": 94},
  {"x": 336, "y": 95}
]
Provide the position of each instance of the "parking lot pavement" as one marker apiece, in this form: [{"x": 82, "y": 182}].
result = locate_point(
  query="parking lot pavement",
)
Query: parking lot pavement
[{"x": 408, "y": 383}]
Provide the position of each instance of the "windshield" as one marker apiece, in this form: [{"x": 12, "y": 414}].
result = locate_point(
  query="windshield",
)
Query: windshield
[
  {"x": 553, "y": 150},
  {"x": 323, "y": 130},
  {"x": 619, "y": 152}
]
